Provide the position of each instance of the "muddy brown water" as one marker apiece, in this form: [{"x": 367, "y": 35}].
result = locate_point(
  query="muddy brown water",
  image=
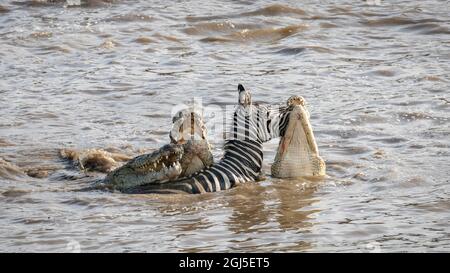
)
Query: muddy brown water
[{"x": 105, "y": 75}]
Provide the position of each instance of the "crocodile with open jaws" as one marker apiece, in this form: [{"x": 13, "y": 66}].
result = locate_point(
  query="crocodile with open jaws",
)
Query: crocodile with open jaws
[
  {"x": 297, "y": 153},
  {"x": 188, "y": 152}
]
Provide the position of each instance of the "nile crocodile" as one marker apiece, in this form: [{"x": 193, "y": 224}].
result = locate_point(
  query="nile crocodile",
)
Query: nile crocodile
[
  {"x": 188, "y": 152},
  {"x": 297, "y": 153},
  {"x": 243, "y": 151}
]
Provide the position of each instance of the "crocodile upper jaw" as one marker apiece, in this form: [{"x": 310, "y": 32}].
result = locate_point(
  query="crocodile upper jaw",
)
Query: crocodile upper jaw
[
  {"x": 158, "y": 167},
  {"x": 297, "y": 153}
]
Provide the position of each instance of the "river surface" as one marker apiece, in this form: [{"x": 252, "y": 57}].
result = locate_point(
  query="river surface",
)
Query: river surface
[{"x": 85, "y": 77}]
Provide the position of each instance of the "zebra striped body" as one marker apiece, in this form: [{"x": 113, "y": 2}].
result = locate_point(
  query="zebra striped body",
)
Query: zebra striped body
[{"x": 243, "y": 151}]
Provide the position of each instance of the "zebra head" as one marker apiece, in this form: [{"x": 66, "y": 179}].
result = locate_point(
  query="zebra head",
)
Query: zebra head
[
  {"x": 245, "y": 98},
  {"x": 256, "y": 122}
]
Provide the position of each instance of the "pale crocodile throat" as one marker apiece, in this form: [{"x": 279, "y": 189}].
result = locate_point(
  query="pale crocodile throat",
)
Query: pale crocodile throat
[{"x": 297, "y": 154}]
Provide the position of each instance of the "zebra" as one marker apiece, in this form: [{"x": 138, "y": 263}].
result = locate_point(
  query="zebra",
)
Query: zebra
[{"x": 242, "y": 161}]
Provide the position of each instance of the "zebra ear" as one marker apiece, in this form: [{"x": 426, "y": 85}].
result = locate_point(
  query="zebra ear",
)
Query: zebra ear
[{"x": 245, "y": 98}]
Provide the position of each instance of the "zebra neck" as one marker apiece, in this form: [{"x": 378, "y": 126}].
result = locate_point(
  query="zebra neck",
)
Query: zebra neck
[
  {"x": 248, "y": 153},
  {"x": 242, "y": 162}
]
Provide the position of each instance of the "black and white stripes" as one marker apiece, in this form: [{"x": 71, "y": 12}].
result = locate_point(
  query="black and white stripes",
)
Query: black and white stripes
[{"x": 243, "y": 152}]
